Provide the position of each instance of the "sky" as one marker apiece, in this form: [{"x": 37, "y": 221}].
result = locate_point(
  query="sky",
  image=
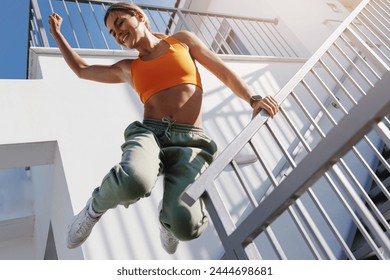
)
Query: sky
[
  {"x": 14, "y": 16},
  {"x": 13, "y": 46}
]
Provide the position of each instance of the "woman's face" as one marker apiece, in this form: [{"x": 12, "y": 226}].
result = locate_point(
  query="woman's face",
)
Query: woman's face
[{"x": 124, "y": 27}]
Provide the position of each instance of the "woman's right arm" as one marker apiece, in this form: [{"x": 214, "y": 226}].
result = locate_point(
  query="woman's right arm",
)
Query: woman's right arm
[{"x": 116, "y": 73}]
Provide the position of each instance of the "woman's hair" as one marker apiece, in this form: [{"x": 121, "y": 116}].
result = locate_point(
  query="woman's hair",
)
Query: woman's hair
[
  {"x": 128, "y": 8},
  {"x": 133, "y": 10}
]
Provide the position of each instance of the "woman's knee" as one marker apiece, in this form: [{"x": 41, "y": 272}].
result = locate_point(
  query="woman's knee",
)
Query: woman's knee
[
  {"x": 185, "y": 226},
  {"x": 134, "y": 181}
]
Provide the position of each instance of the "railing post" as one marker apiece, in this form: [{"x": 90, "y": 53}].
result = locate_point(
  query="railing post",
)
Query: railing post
[
  {"x": 41, "y": 29},
  {"x": 352, "y": 128},
  {"x": 182, "y": 19}
]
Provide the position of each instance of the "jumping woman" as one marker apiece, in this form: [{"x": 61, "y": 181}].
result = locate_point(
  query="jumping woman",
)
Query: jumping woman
[{"x": 170, "y": 140}]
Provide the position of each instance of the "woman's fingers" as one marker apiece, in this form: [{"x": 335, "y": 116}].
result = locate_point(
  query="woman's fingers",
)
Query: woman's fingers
[
  {"x": 271, "y": 105},
  {"x": 267, "y": 103},
  {"x": 55, "y": 18}
]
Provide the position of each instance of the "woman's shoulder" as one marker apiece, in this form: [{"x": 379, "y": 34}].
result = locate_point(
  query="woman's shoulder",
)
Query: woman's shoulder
[
  {"x": 188, "y": 38},
  {"x": 183, "y": 35}
]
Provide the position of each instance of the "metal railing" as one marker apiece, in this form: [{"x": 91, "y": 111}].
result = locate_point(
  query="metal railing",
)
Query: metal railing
[
  {"x": 224, "y": 34},
  {"x": 326, "y": 144}
]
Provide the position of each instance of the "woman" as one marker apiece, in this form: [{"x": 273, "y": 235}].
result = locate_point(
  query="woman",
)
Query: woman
[{"x": 170, "y": 139}]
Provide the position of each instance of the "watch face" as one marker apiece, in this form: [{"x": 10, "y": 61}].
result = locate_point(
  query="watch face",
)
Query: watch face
[{"x": 254, "y": 98}]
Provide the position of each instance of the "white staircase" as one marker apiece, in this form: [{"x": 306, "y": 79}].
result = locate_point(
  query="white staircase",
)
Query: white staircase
[{"x": 315, "y": 189}]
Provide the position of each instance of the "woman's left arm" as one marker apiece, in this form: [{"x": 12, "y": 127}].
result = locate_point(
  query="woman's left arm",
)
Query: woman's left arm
[{"x": 216, "y": 66}]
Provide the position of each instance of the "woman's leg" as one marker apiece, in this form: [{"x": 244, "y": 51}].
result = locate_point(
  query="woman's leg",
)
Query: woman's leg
[
  {"x": 182, "y": 166},
  {"x": 135, "y": 176},
  {"x": 130, "y": 180}
]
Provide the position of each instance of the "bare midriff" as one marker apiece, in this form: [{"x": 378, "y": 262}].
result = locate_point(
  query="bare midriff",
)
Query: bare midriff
[{"x": 181, "y": 104}]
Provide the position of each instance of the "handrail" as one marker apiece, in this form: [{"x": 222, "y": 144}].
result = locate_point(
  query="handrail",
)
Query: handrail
[
  {"x": 223, "y": 33},
  {"x": 156, "y": 7},
  {"x": 329, "y": 153},
  {"x": 37, "y": 20},
  {"x": 194, "y": 191}
]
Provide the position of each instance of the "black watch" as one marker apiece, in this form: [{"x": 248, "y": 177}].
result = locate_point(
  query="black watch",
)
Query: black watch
[{"x": 254, "y": 98}]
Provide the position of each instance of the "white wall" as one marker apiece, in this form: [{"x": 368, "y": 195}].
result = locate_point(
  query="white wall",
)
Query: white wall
[
  {"x": 86, "y": 120},
  {"x": 16, "y": 215},
  {"x": 307, "y": 23}
]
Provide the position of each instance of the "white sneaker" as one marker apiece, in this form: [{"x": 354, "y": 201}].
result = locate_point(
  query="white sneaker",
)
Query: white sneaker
[
  {"x": 81, "y": 227},
  {"x": 168, "y": 241}
]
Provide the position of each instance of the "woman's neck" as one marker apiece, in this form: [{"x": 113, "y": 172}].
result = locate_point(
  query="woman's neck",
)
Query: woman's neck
[{"x": 149, "y": 45}]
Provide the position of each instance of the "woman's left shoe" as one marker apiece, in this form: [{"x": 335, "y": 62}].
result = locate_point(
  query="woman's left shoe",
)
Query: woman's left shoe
[{"x": 168, "y": 241}]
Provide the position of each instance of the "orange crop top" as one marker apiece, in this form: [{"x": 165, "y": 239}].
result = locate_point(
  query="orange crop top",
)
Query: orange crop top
[{"x": 172, "y": 68}]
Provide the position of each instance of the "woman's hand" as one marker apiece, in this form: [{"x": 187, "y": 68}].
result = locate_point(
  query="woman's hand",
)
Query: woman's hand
[
  {"x": 267, "y": 103},
  {"x": 55, "y": 22}
]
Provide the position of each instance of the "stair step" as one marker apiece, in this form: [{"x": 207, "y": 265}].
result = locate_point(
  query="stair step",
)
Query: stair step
[
  {"x": 364, "y": 253},
  {"x": 386, "y": 152},
  {"x": 382, "y": 171},
  {"x": 376, "y": 193},
  {"x": 361, "y": 249},
  {"x": 384, "y": 208}
]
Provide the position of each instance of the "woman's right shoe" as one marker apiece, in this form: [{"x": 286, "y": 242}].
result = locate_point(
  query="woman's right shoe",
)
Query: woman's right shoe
[{"x": 81, "y": 226}]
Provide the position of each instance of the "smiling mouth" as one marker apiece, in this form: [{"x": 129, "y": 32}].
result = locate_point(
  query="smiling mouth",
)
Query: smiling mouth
[{"x": 124, "y": 38}]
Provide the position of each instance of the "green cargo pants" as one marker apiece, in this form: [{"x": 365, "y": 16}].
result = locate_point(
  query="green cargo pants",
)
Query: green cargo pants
[{"x": 153, "y": 148}]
